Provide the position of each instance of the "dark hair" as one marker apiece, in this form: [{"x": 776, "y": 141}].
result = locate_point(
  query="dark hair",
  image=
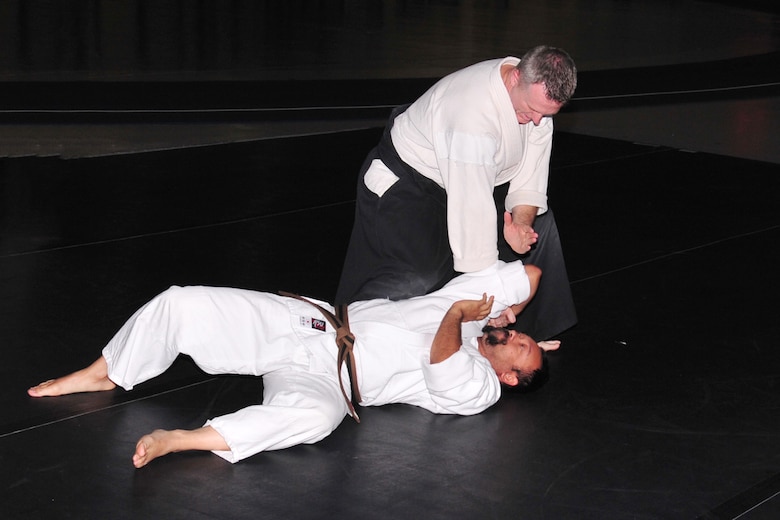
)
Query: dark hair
[
  {"x": 530, "y": 382},
  {"x": 552, "y": 67}
]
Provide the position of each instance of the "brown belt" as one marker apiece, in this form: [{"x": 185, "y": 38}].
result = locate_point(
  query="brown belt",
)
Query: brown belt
[{"x": 345, "y": 341}]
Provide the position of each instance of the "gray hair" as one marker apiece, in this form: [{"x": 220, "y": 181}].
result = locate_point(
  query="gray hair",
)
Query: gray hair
[{"x": 551, "y": 67}]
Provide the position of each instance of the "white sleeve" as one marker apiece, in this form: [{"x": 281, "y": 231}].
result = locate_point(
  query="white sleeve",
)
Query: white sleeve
[
  {"x": 528, "y": 186},
  {"x": 468, "y": 174},
  {"x": 462, "y": 384}
]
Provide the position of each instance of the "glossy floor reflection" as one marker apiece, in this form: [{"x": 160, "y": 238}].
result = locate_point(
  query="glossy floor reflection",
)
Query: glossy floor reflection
[{"x": 663, "y": 399}]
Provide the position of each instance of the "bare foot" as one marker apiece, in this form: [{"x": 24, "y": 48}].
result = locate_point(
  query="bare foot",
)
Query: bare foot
[
  {"x": 94, "y": 378},
  {"x": 153, "y": 445},
  {"x": 163, "y": 442}
]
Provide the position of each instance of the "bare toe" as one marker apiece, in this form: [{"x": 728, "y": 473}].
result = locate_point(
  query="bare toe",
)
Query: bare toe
[
  {"x": 40, "y": 389},
  {"x": 139, "y": 457}
]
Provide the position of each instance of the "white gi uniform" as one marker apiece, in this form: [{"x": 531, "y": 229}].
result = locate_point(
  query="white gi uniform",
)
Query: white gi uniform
[
  {"x": 287, "y": 341},
  {"x": 463, "y": 134}
]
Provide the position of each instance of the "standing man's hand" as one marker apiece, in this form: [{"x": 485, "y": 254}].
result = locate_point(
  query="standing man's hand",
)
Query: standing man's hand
[
  {"x": 518, "y": 234},
  {"x": 505, "y": 319}
]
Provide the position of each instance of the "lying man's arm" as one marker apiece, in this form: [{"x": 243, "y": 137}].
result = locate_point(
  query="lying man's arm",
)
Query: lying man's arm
[
  {"x": 459, "y": 379},
  {"x": 448, "y": 338},
  {"x": 509, "y": 315}
]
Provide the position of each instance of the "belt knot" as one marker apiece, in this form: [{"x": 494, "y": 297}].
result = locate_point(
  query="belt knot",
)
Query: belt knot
[{"x": 345, "y": 341}]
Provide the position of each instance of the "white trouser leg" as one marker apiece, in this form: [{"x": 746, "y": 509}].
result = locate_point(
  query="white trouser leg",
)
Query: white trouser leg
[
  {"x": 232, "y": 331},
  {"x": 299, "y": 407},
  {"x": 225, "y": 331}
]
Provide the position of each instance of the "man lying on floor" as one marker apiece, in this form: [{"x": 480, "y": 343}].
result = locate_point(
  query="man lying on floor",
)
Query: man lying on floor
[{"x": 429, "y": 351}]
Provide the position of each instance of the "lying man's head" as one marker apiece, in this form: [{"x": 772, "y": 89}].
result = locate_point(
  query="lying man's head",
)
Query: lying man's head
[{"x": 517, "y": 359}]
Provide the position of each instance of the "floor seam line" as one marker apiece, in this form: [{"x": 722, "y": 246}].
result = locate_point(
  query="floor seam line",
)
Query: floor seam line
[
  {"x": 675, "y": 253},
  {"x": 90, "y": 412}
]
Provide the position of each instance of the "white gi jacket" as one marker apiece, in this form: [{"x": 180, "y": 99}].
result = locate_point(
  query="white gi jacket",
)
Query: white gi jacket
[{"x": 463, "y": 134}]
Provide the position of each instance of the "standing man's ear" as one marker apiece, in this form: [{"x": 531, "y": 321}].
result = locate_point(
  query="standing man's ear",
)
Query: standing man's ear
[{"x": 509, "y": 378}]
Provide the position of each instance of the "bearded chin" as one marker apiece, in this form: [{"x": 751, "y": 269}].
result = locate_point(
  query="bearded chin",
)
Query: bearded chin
[{"x": 496, "y": 335}]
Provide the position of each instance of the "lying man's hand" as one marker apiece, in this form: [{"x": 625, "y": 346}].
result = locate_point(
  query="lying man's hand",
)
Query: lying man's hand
[{"x": 473, "y": 310}]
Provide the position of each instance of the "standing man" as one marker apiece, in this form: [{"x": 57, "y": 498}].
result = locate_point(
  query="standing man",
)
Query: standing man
[{"x": 425, "y": 206}]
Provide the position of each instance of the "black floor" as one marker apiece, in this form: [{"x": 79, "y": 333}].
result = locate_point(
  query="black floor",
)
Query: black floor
[{"x": 664, "y": 400}]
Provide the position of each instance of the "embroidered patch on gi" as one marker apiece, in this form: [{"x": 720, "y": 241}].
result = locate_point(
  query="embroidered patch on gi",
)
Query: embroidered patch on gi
[
  {"x": 318, "y": 324},
  {"x": 313, "y": 323}
]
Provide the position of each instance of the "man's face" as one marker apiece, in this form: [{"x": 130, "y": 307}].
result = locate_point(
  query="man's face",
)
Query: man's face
[
  {"x": 520, "y": 353},
  {"x": 530, "y": 102}
]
